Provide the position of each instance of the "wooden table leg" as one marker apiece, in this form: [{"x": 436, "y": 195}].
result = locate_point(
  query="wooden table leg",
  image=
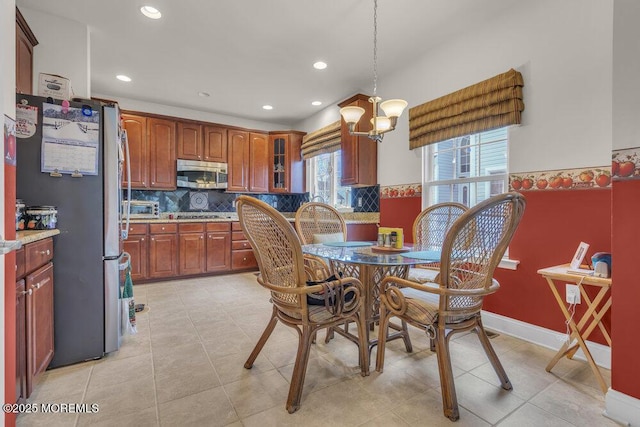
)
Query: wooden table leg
[{"x": 568, "y": 349}]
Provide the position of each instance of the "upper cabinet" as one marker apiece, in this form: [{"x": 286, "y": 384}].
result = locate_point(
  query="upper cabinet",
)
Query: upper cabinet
[
  {"x": 286, "y": 168},
  {"x": 202, "y": 142},
  {"x": 152, "y": 152},
  {"x": 25, "y": 42},
  {"x": 359, "y": 153},
  {"x": 215, "y": 144},
  {"x": 248, "y": 154}
]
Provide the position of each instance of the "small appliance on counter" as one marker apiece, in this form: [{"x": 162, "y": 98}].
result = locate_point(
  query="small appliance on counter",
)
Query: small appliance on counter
[
  {"x": 20, "y": 215},
  {"x": 141, "y": 209}
]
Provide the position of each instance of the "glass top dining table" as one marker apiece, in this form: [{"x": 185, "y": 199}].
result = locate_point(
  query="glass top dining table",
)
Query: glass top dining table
[{"x": 370, "y": 264}]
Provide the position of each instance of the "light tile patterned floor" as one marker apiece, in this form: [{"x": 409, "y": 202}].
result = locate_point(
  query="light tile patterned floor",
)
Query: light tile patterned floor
[{"x": 185, "y": 368}]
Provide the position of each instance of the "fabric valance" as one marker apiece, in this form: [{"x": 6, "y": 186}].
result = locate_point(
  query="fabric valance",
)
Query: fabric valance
[
  {"x": 490, "y": 104},
  {"x": 324, "y": 140}
]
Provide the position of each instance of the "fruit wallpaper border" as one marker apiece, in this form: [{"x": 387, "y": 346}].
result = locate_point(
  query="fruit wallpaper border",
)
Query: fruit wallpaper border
[
  {"x": 625, "y": 164},
  {"x": 404, "y": 190},
  {"x": 566, "y": 179}
]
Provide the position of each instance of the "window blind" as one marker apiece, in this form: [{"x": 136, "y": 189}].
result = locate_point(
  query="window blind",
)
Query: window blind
[
  {"x": 490, "y": 104},
  {"x": 324, "y": 140}
]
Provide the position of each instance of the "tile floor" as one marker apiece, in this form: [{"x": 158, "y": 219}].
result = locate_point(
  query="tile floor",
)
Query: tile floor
[{"x": 185, "y": 368}]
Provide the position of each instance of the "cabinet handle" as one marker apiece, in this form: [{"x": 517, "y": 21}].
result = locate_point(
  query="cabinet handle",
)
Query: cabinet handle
[
  {"x": 47, "y": 252},
  {"x": 201, "y": 237},
  {"x": 152, "y": 182},
  {"x": 244, "y": 259},
  {"x": 29, "y": 292},
  {"x": 36, "y": 286},
  {"x": 142, "y": 240},
  {"x": 152, "y": 239}
]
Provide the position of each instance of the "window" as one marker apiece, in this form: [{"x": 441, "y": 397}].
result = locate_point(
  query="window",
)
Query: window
[
  {"x": 467, "y": 169},
  {"x": 325, "y": 172}
]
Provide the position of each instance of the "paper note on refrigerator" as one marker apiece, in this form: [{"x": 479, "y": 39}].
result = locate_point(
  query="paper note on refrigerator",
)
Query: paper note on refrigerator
[{"x": 70, "y": 140}]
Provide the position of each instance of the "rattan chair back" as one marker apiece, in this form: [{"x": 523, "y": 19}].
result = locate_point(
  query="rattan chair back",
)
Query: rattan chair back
[
  {"x": 432, "y": 224},
  {"x": 473, "y": 249},
  {"x": 277, "y": 250},
  {"x": 315, "y": 218}
]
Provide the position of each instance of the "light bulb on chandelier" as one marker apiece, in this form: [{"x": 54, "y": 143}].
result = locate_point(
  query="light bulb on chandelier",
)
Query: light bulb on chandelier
[{"x": 392, "y": 108}]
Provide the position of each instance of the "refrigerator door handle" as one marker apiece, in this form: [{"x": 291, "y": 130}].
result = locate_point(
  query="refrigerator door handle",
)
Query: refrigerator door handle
[{"x": 126, "y": 159}]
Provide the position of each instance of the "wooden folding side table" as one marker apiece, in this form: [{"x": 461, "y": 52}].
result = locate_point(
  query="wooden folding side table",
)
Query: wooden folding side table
[{"x": 556, "y": 277}]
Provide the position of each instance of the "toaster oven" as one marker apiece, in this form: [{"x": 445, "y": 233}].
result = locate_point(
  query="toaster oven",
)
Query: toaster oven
[{"x": 140, "y": 209}]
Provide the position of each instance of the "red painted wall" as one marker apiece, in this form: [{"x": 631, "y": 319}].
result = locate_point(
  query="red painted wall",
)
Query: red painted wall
[
  {"x": 625, "y": 370},
  {"x": 400, "y": 212},
  {"x": 554, "y": 223},
  {"x": 9, "y": 292}
]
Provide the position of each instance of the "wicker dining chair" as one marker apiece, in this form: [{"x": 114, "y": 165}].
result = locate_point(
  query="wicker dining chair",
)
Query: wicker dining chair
[
  {"x": 320, "y": 223},
  {"x": 282, "y": 271},
  {"x": 429, "y": 230},
  {"x": 472, "y": 250}
]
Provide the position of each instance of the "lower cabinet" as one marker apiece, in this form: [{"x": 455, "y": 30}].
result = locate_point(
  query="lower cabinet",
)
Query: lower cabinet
[
  {"x": 137, "y": 246},
  {"x": 192, "y": 248},
  {"x": 218, "y": 247},
  {"x": 39, "y": 322},
  {"x": 34, "y": 314},
  {"x": 163, "y": 250},
  {"x": 242, "y": 256}
]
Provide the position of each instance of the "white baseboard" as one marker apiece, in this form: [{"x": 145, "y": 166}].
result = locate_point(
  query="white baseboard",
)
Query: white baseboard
[
  {"x": 542, "y": 336},
  {"x": 622, "y": 408}
]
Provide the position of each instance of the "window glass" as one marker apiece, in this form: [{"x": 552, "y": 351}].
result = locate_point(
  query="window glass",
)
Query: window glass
[
  {"x": 325, "y": 173},
  {"x": 467, "y": 170}
]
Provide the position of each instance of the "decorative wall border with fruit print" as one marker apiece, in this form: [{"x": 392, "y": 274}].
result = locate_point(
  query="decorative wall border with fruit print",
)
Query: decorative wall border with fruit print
[
  {"x": 568, "y": 179},
  {"x": 625, "y": 164},
  {"x": 405, "y": 190}
]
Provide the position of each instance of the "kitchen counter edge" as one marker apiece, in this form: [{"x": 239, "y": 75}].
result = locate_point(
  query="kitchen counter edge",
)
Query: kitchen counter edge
[{"x": 30, "y": 236}]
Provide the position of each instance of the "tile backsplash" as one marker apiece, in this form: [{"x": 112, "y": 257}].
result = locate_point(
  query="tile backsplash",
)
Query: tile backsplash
[{"x": 363, "y": 199}]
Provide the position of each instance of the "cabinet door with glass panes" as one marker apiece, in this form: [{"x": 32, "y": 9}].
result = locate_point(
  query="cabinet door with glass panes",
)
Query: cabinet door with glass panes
[{"x": 286, "y": 169}]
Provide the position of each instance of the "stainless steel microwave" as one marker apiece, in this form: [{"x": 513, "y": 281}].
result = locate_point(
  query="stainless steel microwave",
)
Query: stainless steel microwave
[{"x": 201, "y": 175}]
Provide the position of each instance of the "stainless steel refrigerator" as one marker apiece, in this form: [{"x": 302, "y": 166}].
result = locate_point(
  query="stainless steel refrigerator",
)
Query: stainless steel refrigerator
[{"x": 88, "y": 249}]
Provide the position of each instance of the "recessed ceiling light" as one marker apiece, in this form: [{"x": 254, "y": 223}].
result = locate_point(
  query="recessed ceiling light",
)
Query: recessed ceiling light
[
  {"x": 123, "y": 78},
  {"x": 267, "y": 107},
  {"x": 316, "y": 103},
  {"x": 320, "y": 65},
  {"x": 151, "y": 12},
  {"x": 204, "y": 94}
]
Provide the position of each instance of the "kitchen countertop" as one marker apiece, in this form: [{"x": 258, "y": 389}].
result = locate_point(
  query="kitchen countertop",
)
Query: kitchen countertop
[
  {"x": 30, "y": 236},
  {"x": 350, "y": 218}
]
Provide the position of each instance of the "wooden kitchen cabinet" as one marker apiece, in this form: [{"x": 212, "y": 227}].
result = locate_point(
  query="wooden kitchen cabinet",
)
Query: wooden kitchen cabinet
[
  {"x": 34, "y": 314},
  {"x": 214, "y": 144},
  {"x": 21, "y": 341},
  {"x": 192, "y": 248},
  {"x": 137, "y": 246},
  {"x": 163, "y": 250},
  {"x": 248, "y": 154},
  {"x": 25, "y": 42},
  {"x": 286, "y": 166},
  {"x": 189, "y": 141},
  {"x": 136, "y": 127},
  {"x": 218, "y": 247},
  {"x": 359, "y": 152},
  {"x": 162, "y": 154},
  {"x": 39, "y": 323},
  {"x": 152, "y": 152},
  {"x": 202, "y": 142},
  {"x": 242, "y": 256}
]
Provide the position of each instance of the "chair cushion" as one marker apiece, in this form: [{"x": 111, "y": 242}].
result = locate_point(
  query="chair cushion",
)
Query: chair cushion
[
  {"x": 421, "y": 306},
  {"x": 328, "y": 238},
  {"x": 422, "y": 275}
]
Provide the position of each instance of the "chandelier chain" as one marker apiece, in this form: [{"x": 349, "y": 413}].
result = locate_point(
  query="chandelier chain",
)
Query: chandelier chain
[{"x": 375, "y": 49}]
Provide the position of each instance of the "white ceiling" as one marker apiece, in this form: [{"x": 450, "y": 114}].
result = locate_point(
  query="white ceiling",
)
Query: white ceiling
[{"x": 247, "y": 53}]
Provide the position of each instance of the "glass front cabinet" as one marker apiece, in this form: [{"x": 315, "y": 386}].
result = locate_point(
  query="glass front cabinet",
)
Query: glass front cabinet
[{"x": 286, "y": 166}]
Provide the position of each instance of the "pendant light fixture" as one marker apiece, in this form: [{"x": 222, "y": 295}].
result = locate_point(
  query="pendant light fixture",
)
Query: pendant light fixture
[{"x": 392, "y": 108}]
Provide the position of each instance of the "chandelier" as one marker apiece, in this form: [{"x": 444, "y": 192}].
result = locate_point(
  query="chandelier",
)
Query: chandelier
[{"x": 392, "y": 108}]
